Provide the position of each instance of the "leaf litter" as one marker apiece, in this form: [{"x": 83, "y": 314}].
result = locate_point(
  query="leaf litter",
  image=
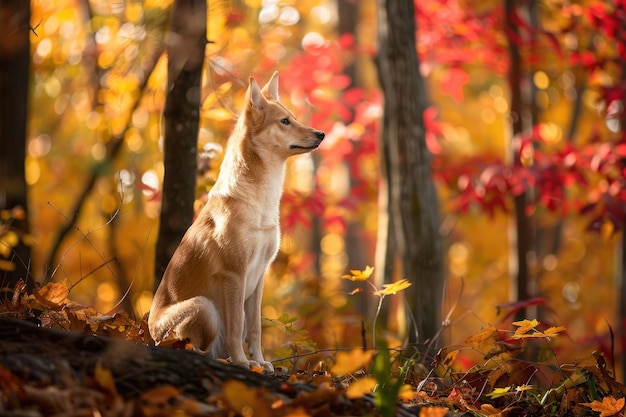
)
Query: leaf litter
[{"x": 63, "y": 359}]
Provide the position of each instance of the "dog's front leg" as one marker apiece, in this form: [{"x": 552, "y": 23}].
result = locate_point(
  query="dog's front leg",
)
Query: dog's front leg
[
  {"x": 232, "y": 306},
  {"x": 253, "y": 326}
]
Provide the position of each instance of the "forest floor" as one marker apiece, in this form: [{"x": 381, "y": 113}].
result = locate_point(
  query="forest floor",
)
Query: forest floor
[{"x": 60, "y": 359}]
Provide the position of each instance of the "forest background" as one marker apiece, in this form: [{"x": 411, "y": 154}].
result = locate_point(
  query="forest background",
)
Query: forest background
[{"x": 98, "y": 73}]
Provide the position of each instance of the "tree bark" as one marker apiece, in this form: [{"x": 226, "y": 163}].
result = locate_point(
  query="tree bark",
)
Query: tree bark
[
  {"x": 414, "y": 218},
  {"x": 182, "y": 114},
  {"x": 521, "y": 275},
  {"x": 14, "y": 76}
]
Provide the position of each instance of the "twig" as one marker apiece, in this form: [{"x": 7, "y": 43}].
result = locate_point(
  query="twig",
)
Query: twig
[
  {"x": 93, "y": 271},
  {"x": 84, "y": 236},
  {"x": 132, "y": 281}
]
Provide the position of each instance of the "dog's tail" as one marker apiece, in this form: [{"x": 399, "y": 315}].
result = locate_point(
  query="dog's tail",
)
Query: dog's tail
[{"x": 196, "y": 319}]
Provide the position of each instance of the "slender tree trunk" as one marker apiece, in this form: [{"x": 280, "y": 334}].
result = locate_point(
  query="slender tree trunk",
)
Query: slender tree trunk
[
  {"x": 182, "y": 114},
  {"x": 412, "y": 198},
  {"x": 621, "y": 278},
  {"x": 522, "y": 223},
  {"x": 14, "y": 75}
]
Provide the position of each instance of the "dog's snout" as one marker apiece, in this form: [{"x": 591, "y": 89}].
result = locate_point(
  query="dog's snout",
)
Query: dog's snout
[{"x": 320, "y": 135}]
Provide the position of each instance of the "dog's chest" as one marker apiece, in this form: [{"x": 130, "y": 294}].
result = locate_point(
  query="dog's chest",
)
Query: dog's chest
[{"x": 264, "y": 246}]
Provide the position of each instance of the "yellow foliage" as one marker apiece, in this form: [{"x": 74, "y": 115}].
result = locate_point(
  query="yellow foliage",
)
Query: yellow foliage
[
  {"x": 351, "y": 361},
  {"x": 361, "y": 386},
  {"x": 358, "y": 275},
  {"x": 394, "y": 287}
]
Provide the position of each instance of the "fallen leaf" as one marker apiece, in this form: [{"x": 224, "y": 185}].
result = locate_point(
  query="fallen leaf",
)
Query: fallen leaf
[
  {"x": 52, "y": 295},
  {"x": 490, "y": 410},
  {"x": 499, "y": 392},
  {"x": 608, "y": 407}
]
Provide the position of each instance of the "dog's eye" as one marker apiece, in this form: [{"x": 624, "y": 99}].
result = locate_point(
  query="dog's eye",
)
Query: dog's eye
[{"x": 285, "y": 121}]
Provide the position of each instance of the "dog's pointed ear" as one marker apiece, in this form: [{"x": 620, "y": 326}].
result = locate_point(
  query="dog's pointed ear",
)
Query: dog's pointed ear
[
  {"x": 271, "y": 88},
  {"x": 255, "y": 95}
]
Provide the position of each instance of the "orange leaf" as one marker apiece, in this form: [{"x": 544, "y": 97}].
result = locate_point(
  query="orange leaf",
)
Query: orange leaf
[
  {"x": 490, "y": 410},
  {"x": 608, "y": 407},
  {"x": 435, "y": 411},
  {"x": 52, "y": 295}
]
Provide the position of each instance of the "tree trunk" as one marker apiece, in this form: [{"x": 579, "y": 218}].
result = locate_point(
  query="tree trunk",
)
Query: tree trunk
[
  {"x": 521, "y": 275},
  {"x": 14, "y": 75},
  {"x": 412, "y": 199},
  {"x": 621, "y": 269},
  {"x": 182, "y": 113}
]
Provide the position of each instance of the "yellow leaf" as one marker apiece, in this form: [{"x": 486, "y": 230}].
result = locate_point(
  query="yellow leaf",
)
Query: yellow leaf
[
  {"x": 407, "y": 394},
  {"x": 525, "y": 325},
  {"x": 499, "y": 392},
  {"x": 394, "y": 287},
  {"x": 353, "y": 360},
  {"x": 608, "y": 407},
  {"x": 532, "y": 335},
  {"x": 358, "y": 275},
  {"x": 484, "y": 340},
  {"x": 553, "y": 331},
  {"x": 361, "y": 387}
]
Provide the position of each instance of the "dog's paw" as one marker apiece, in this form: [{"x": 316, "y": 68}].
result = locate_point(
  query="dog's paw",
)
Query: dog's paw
[
  {"x": 250, "y": 364},
  {"x": 268, "y": 366}
]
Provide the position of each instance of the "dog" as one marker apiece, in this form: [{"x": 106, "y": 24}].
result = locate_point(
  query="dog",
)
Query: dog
[{"x": 211, "y": 290}]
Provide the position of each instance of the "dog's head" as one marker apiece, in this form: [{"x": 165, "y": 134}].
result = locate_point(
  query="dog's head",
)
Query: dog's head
[{"x": 272, "y": 127}]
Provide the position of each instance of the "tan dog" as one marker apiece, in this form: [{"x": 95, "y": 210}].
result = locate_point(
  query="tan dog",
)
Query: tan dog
[{"x": 211, "y": 290}]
